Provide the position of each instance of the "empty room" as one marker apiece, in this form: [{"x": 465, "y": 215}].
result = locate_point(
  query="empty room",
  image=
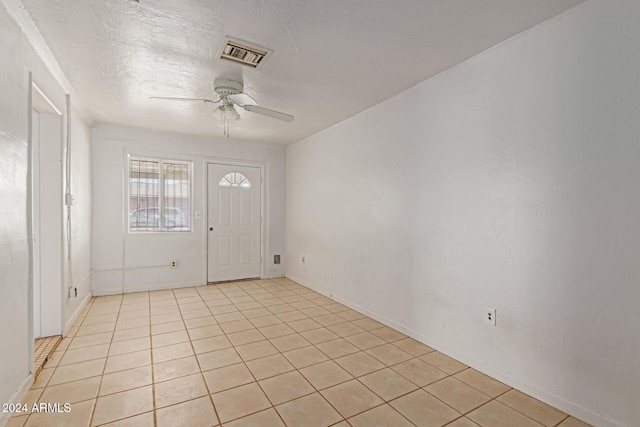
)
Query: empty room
[{"x": 320, "y": 213}]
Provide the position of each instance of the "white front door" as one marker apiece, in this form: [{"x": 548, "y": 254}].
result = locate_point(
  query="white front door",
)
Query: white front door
[{"x": 233, "y": 222}]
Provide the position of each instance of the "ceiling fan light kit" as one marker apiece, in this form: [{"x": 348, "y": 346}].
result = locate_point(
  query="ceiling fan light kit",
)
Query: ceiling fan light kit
[
  {"x": 225, "y": 111},
  {"x": 231, "y": 95}
]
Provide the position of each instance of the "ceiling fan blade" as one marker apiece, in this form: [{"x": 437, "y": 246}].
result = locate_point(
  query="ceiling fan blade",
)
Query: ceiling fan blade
[
  {"x": 242, "y": 99},
  {"x": 269, "y": 113},
  {"x": 206, "y": 101}
]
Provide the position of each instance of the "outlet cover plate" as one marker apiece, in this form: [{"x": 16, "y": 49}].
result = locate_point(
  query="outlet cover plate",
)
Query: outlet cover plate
[{"x": 489, "y": 315}]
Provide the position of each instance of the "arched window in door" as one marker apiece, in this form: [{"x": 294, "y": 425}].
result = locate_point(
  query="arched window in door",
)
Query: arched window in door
[{"x": 234, "y": 179}]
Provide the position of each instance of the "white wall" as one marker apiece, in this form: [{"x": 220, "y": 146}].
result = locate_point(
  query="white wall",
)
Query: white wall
[
  {"x": 14, "y": 244},
  {"x": 19, "y": 57},
  {"x": 510, "y": 181},
  {"x": 114, "y": 248}
]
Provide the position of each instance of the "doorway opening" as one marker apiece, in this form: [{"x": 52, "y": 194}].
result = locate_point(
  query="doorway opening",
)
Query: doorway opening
[{"x": 46, "y": 222}]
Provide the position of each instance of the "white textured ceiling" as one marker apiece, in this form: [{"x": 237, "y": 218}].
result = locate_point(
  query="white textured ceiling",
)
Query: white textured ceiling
[{"x": 331, "y": 60}]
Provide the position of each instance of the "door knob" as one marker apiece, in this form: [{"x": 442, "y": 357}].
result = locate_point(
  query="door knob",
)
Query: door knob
[{"x": 210, "y": 228}]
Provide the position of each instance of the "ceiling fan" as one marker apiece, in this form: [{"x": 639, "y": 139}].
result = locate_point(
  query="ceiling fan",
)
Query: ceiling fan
[{"x": 231, "y": 95}]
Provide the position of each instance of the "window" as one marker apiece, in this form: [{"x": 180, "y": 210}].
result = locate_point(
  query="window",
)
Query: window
[
  {"x": 234, "y": 179},
  {"x": 159, "y": 195}
]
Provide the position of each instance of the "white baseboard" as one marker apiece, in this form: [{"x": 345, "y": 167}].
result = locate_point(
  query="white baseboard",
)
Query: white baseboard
[
  {"x": 144, "y": 288},
  {"x": 18, "y": 397},
  {"x": 75, "y": 314},
  {"x": 558, "y": 402}
]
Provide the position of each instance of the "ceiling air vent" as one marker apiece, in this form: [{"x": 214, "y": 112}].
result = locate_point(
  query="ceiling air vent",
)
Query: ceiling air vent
[{"x": 243, "y": 53}]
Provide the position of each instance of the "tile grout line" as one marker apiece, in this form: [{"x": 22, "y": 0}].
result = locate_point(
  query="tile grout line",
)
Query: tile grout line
[
  {"x": 295, "y": 369},
  {"x": 244, "y": 362},
  {"x": 153, "y": 378},
  {"x": 64, "y": 352},
  {"x": 384, "y": 401},
  {"x": 309, "y": 296},
  {"x": 95, "y": 405},
  {"x": 279, "y": 352},
  {"x": 206, "y": 385}
]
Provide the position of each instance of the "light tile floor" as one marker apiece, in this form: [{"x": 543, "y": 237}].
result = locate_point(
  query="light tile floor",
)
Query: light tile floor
[
  {"x": 42, "y": 350},
  {"x": 261, "y": 353}
]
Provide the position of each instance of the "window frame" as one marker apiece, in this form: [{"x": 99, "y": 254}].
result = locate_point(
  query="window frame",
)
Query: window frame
[{"x": 161, "y": 194}]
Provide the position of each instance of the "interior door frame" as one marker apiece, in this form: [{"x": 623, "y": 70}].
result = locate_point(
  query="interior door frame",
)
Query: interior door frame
[
  {"x": 42, "y": 244},
  {"x": 264, "y": 245}
]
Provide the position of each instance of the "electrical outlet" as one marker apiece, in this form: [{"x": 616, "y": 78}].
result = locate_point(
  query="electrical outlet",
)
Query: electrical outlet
[
  {"x": 276, "y": 259},
  {"x": 303, "y": 260},
  {"x": 489, "y": 315},
  {"x": 172, "y": 264}
]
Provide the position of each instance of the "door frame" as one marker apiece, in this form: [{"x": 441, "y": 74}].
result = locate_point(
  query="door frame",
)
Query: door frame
[
  {"x": 264, "y": 245},
  {"x": 50, "y": 290}
]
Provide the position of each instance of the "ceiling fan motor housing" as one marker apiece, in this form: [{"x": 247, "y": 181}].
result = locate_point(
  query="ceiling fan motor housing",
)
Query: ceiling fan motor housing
[{"x": 225, "y": 87}]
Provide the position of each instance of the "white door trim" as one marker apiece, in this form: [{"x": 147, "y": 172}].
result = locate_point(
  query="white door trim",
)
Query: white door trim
[
  {"x": 46, "y": 296},
  {"x": 35, "y": 222},
  {"x": 264, "y": 245}
]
